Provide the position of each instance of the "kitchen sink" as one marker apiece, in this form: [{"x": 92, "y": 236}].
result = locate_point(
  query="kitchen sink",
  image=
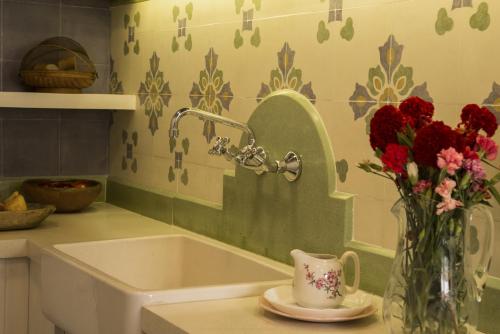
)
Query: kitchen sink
[{"x": 99, "y": 287}]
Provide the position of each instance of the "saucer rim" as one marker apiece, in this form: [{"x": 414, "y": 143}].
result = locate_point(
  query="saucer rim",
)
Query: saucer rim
[
  {"x": 265, "y": 305},
  {"x": 301, "y": 311}
]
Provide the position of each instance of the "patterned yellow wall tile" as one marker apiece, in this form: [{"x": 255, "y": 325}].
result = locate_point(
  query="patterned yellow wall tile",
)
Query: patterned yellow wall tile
[
  {"x": 379, "y": 226},
  {"x": 434, "y": 59},
  {"x": 348, "y": 57},
  {"x": 201, "y": 182},
  {"x": 479, "y": 63}
]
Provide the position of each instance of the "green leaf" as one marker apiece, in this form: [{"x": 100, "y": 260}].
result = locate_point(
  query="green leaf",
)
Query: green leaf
[
  {"x": 495, "y": 194},
  {"x": 365, "y": 167},
  {"x": 376, "y": 167},
  {"x": 175, "y": 13},
  {"x": 404, "y": 140},
  {"x": 465, "y": 181},
  {"x": 495, "y": 179},
  {"x": 189, "y": 10}
]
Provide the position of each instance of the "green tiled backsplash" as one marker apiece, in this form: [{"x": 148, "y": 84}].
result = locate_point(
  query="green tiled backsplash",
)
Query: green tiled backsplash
[{"x": 346, "y": 57}]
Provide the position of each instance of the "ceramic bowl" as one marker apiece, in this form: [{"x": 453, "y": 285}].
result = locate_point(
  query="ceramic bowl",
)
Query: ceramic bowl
[
  {"x": 19, "y": 220},
  {"x": 66, "y": 195}
]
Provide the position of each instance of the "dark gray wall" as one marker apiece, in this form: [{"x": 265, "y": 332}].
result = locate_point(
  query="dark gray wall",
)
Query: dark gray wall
[{"x": 41, "y": 142}]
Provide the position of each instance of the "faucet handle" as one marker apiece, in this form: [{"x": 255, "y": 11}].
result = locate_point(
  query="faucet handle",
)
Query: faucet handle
[{"x": 219, "y": 147}]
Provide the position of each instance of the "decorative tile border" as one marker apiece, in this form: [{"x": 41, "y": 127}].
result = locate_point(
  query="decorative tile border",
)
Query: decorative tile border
[
  {"x": 129, "y": 160},
  {"x": 480, "y": 20},
  {"x": 249, "y": 26},
  {"x": 182, "y": 27},
  {"x": 335, "y": 14},
  {"x": 178, "y": 156},
  {"x": 130, "y": 24}
]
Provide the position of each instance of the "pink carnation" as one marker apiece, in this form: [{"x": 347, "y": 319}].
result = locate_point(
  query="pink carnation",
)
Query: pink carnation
[
  {"x": 448, "y": 204},
  {"x": 450, "y": 159},
  {"x": 489, "y": 147},
  {"x": 446, "y": 188},
  {"x": 421, "y": 186},
  {"x": 475, "y": 168}
]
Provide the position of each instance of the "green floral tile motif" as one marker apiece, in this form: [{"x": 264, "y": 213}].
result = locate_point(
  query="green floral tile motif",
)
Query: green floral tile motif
[
  {"x": 128, "y": 159},
  {"x": 335, "y": 14},
  {"x": 115, "y": 85},
  {"x": 342, "y": 169},
  {"x": 286, "y": 76},
  {"x": 249, "y": 27},
  {"x": 182, "y": 21},
  {"x": 130, "y": 26},
  {"x": 388, "y": 83},
  {"x": 479, "y": 20},
  {"x": 154, "y": 93},
  {"x": 178, "y": 155},
  {"x": 493, "y": 100},
  {"x": 211, "y": 93},
  {"x": 444, "y": 23}
]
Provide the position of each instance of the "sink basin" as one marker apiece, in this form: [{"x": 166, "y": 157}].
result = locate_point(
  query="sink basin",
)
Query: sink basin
[{"x": 99, "y": 287}]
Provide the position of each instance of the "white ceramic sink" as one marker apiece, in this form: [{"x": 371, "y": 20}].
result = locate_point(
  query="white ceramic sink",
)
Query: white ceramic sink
[{"x": 99, "y": 287}]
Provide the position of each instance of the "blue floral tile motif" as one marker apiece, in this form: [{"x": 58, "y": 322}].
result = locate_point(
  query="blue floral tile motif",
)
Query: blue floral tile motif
[
  {"x": 286, "y": 76},
  {"x": 388, "y": 83},
  {"x": 211, "y": 93},
  {"x": 492, "y": 102},
  {"x": 154, "y": 93},
  {"x": 128, "y": 159}
]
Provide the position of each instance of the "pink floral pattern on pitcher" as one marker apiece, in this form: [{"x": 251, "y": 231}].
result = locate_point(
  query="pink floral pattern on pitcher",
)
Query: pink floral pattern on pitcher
[{"x": 329, "y": 282}]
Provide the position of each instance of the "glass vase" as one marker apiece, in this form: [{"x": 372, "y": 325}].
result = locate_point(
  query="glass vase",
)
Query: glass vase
[{"x": 440, "y": 268}]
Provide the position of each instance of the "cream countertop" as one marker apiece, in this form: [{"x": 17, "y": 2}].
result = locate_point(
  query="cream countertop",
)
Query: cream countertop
[
  {"x": 243, "y": 316},
  {"x": 101, "y": 221}
]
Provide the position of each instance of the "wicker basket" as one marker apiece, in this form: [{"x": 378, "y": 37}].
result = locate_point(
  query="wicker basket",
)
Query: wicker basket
[{"x": 58, "y": 65}]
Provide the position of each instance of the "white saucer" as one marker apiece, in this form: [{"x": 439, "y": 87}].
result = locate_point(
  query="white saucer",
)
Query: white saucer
[
  {"x": 263, "y": 303},
  {"x": 281, "y": 299}
]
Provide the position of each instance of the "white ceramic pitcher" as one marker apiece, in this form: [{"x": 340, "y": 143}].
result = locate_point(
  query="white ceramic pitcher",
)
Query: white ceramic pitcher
[{"x": 319, "y": 280}]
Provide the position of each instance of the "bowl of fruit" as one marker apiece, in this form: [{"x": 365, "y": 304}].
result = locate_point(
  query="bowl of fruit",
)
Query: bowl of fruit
[
  {"x": 70, "y": 195},
  {"x": 16, "y": 214}
]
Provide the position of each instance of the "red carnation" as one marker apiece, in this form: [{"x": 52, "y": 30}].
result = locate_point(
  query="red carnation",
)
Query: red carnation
[
  {"x": 475, "y": 118},
  {"x": 417, "y": 111},
  {"x": 384, "y": 126},
  {"x": 395, "y": 157},
  {"x": 433, "y": 138}
]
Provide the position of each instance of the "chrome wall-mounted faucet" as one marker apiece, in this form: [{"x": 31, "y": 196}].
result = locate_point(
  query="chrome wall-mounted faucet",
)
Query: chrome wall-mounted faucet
[{"x": 250, "y": 156}]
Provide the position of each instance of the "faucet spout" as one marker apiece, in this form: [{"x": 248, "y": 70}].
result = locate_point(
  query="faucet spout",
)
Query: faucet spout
[
  {"x": 250, "y": 156},
  {"x": 203, "y": 115}
]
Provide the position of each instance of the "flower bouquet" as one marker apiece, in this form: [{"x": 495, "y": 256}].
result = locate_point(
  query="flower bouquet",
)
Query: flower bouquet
[{"x": 440, "y": 267}]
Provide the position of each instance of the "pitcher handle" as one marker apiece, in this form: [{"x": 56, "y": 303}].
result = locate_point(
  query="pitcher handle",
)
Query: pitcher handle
[
  {"x": 355, "y": 260},
  {"x": 481, "y": 272}
]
